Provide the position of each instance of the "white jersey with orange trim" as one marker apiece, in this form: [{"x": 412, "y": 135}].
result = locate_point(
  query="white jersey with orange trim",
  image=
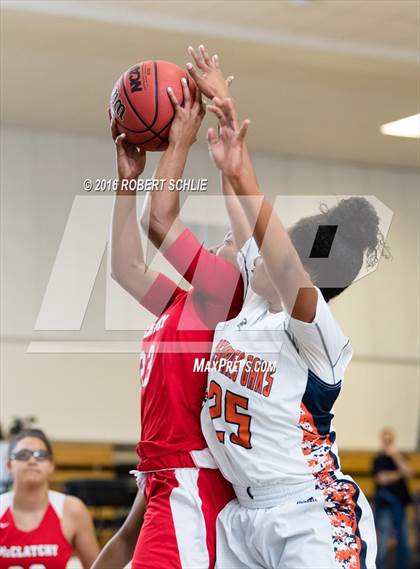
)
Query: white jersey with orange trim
[
  {"x": 272, "y": 384},
  {"x": 267, "y": 417}
]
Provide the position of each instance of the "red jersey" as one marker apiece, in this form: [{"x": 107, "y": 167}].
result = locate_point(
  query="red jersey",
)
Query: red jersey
[
  {"x": 45, "y": 547},
  {"x": 172, "y": 385}
]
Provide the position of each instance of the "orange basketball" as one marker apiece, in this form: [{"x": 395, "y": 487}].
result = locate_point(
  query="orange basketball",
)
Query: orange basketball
[{"x": 140, "y": 102}]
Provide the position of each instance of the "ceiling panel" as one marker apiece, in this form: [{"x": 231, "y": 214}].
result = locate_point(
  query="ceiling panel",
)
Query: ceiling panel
[
  {"x": 332, "y": 19},
  {"x": 58, "y": 71}
]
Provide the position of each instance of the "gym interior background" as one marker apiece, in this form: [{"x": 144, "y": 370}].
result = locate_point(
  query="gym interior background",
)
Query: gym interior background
[{"x": 317, "y": 78}]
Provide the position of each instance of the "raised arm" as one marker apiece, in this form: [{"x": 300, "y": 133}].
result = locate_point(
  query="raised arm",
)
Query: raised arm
[
  {"x": 282, "y": 262},
  {"x": 166, "y": 230},
  {"x": 210, "y": 79},
  {"x": 128, "y": 266},
  {"x": 160, "y": 216},
  {"x": 241, "y": 228}
]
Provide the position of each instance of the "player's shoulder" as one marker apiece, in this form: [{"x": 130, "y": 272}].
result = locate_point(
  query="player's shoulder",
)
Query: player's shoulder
[
  {"x": 74, "y": 507},
  {"x": 75, "y": 518}
]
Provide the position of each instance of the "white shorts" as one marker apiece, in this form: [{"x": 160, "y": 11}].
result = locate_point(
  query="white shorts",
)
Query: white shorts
[{"x": 331, "y": 528}]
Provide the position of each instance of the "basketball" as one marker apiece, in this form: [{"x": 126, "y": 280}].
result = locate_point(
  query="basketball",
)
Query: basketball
[{"x": 140, "y": 102}]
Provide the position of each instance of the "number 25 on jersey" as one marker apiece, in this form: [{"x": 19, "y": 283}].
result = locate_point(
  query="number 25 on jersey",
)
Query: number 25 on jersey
[{"x": 230, "y": 404}]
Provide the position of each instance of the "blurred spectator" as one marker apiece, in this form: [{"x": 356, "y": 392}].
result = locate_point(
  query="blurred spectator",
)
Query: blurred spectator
[
  {"x": 20, "y": 423},
  {"x": 32, "y": 515},
  {"x": 391, "y": 471}
]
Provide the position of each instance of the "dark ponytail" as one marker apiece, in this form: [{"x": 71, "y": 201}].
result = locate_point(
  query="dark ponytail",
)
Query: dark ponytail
[{"x": 334, "y": 266}]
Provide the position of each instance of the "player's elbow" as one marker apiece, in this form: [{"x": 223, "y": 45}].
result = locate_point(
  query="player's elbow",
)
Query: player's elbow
[
  {"x": 116, "y": 276},
  {"x": 157, "y": 225},
  {"x": 125, "y": 273},
  {"x": 117, "y": 271}
]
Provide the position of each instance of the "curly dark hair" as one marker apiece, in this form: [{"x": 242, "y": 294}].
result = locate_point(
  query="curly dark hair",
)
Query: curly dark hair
[{"x": 357, "y": 239}]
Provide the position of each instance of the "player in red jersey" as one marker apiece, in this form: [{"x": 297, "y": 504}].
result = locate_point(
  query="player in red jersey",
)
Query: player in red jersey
[
  {"x": 184, "y": 491},
  {"x": 39, "y": 528}
]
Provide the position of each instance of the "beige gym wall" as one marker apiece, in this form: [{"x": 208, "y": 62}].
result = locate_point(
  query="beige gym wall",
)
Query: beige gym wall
[{"x": 95, "y": 396}]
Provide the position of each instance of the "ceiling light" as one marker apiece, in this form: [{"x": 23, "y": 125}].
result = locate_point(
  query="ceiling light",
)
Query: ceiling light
[{"x": 408, "y": 127}]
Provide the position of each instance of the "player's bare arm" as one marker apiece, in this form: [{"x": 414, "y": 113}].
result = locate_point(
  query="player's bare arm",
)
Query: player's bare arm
[
  {"x": 128, "y": 267},
  {"x": 282, "y": 261},
  {"x": 160, "y": 217},
  {"x": 211, "y": 81},
  {"x": 119, "y": 550},
  {"x": 161, "y": 214}
]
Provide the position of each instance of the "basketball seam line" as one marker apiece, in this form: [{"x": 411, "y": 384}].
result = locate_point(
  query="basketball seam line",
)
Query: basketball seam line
[
  {"x": 156, "y": 95},
  {"x": 139, "y": 117}
]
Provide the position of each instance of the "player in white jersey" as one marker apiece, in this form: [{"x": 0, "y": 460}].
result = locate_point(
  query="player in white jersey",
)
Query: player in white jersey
[{"x": 275, "y": 373}]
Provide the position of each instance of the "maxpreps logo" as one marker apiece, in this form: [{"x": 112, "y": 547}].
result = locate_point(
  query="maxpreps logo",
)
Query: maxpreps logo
[{"x": 78, "y": 261}]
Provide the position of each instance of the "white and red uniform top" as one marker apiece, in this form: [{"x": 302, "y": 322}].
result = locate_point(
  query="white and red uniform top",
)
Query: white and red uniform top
[
  {"x": 45, "y": 547},
  {"x": 272, "y": 384},
  {"x": 171, "y": 391}
]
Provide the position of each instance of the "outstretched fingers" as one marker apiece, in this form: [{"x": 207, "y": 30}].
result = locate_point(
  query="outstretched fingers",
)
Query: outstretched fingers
[
  {"x": 197, "y": 58},
  {"x": 199, "y": 101},
  {"x": 205, "y": 55},
  {"x": 192, "y": 72},
  {"x": 186, "y": 92},
  {"x": 212, "y": 137},
  {"x": 172, "y": 97},
  {"x": 230, "y": 112},
  {"x": 219, "y": 114},
  {"x": 244, "y": 129},
  {"x": 223, "y": 108},
  {"x": 114, "y": 129},
  {"x": 226, "y": 115}
]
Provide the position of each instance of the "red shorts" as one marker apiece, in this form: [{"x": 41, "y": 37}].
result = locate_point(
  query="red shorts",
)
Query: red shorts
[{"x": 179, "y": 528}]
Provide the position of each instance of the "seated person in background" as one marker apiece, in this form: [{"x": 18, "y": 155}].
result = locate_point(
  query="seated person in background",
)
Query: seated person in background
[
  {"x": 391, "y": 471},
  {"x": 39, "y": 527}
]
